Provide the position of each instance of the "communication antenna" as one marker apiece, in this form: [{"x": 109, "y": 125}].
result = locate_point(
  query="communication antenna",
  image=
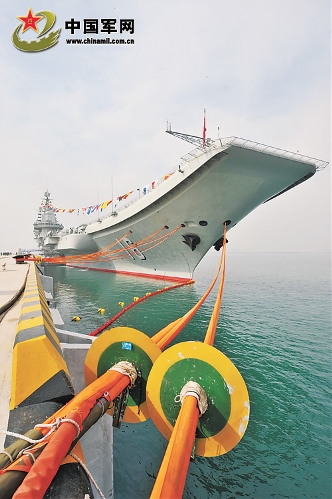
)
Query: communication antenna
[{"x": 204, "y": 129}]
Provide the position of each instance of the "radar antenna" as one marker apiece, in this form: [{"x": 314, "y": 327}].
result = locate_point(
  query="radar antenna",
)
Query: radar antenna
[
  {"x": 200, "y": 142},
  {"x": 193, "y": 139}
]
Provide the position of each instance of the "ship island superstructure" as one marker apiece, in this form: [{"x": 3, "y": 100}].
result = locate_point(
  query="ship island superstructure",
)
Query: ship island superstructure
[
  {"x": 46, "y": 228},
  {"x": 165, "y": 231}
]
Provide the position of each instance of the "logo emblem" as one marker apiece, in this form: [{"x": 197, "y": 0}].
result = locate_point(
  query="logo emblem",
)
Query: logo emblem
[{"x": 30, "y": 22}]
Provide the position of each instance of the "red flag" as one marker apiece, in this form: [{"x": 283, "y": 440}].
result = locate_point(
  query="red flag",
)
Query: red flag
[{"x": 204, "y": 130}]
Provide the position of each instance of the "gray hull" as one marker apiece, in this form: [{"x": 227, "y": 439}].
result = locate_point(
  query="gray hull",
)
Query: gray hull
[{"x": 220, "y": 183}]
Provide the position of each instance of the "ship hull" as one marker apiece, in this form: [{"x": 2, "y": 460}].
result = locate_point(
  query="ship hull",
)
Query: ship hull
[
  {"x": 76, "y": 244},
  {"x": 167, "y": 232}
]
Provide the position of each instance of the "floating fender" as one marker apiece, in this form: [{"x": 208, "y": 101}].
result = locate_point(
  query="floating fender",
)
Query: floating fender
[
  {"x": 192, "y": 240},
  {"x": 225, "y": 421},
  {"x": 118, "y": 344}
]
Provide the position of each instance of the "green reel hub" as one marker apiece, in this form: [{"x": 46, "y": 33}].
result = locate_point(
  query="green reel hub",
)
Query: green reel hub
[
  {"x": 131, "y": 345},
  {"x": 223, "y": 424}
]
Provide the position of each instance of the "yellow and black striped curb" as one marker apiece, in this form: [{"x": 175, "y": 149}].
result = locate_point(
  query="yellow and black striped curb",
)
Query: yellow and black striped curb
[
  {"x": 41, "y": 383},
  {"x": 39, "y": 371}
]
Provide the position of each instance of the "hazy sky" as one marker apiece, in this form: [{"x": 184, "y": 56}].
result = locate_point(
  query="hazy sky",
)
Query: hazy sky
[{"x": 74, "y": 117}]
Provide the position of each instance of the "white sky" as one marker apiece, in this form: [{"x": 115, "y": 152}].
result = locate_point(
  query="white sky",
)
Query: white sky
[{"x": 74, "y": 116}]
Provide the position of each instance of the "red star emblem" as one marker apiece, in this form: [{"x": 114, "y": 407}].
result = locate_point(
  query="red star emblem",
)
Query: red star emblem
[{"x": 30, "y": 21}]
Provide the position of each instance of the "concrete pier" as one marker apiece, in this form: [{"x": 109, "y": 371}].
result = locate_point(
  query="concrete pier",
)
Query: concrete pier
[
  {"x": 12, "y": 282},
  {"x": 15, "y": 279}
]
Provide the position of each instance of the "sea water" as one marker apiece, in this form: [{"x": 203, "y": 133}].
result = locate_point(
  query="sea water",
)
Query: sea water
[{"x": 275, "y": 326}]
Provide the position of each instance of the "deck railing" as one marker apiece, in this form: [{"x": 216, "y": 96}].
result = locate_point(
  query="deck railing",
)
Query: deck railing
[
  {"x": 275, "y": 151},
  {"x": 223, "y": 143}
]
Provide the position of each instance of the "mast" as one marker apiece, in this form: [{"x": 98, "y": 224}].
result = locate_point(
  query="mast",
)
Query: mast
[
  {"x": 204, "y": 129},
  {"x": 199, "y": 142},
  {"x": 113, "y": 213},
  {"x": 46, "y": 226}
]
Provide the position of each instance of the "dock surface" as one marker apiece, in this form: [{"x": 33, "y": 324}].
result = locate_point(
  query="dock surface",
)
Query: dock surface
[{"x": 12, "y": 280}]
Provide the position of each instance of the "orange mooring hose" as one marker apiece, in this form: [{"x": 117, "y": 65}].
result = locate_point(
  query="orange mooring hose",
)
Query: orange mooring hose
[
  {"x": 36, "y": 481},
  {"x": 154, "y": 293},
  {"x": 45, "y": 468},
  {"x": 173, "y": 470},
  {"x": 167, "y": 334},
  {"x": 211, "y": 331},
  {"x": 106, "y": 254}
]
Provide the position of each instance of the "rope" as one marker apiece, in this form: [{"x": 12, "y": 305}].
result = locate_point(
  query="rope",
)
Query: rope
[
  {"x": 151, "y": 235},
  {"x": 126, "y": 368},
  {"x": 144, "y": 244},
  {"x": 28, "y": 453},
  {"x": 168, "y": 333},
  {"x": 88, "y": 473},
  {"x": 77, "y": 258},
  {"x": 53, "y": 426},
  {"x": 10, "y": 457},
  {"x": 105, "y": 254},
  {"x": 23, "y": 437},
  {"x": 159, "y": 239},
  {"x": 193, "y": 389},
  {"x": 154, "y": 293},
  {"x": 211, "y": 331}
]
